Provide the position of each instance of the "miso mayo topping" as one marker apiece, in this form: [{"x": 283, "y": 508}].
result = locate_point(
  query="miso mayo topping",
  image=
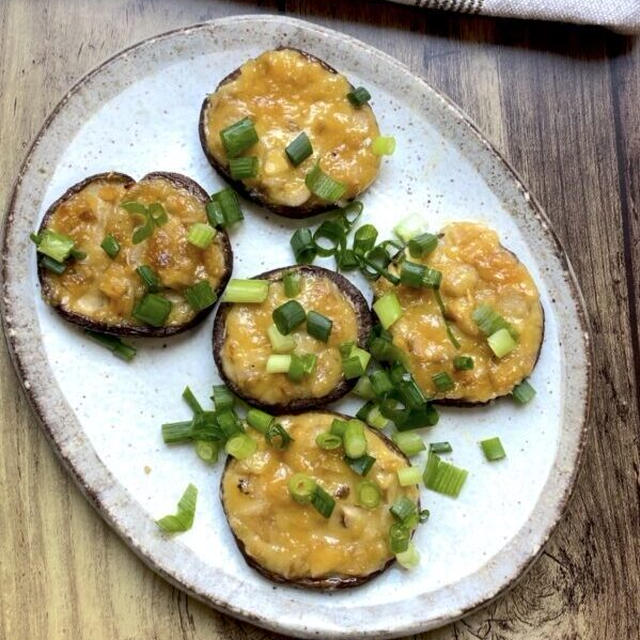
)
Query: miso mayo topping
[
  {"x": 284, "y": 93},
  {"x": 247, "y": 347},
  {"x": 476, "y": 269},
  {"x": 104, "y": 289},
  {"x": 294, "y": 540}
]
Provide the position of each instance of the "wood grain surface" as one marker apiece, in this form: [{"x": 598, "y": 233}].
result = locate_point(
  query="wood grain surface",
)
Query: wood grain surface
[{"x": 562, "y": 103}]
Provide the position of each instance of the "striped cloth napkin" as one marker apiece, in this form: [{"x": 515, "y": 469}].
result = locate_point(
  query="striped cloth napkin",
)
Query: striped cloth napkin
[{"x": 619, "y": 15}]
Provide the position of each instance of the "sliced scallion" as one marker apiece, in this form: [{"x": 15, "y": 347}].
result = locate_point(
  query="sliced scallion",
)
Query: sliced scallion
[
  {"x": 53, "y": 265},
  {"x": 288, "y": 316},
  {"x": 322, "y": 502},
  {"x": 352, "y": 367},
  {"x": 111, "y": 246},
  {"x": 191, "y": 400},
  {"x": 412, "y": 274},
  {"x": 243, "y": 168},
  {"x": 493, "y": 449},
  {"x": 277, "y": 363},
  {"x": 388, "y": 309},
  {"x": 280, "y": 343},
  {"x": 399, "y": 537},
  {"x": 361, "y": 465},
  {"x": 246, "y": 291},
  {"x": 463, "y": 363},
  {"x": 222, "y": 397},
  {"x": 422, "y": 244},
  {"x": 277, "y": 436},
  {"x": 383, "y": 145},
  {"x": 409, "y": 442},
  {"x": 57, "y": 246},
  {"x": 229, "y": 204},
  {"x": 328, "y": 441},
  {"x": 291, "y": 282},
  {"x": 364, "y": 239},
  {"x": 215, "y": 215},
  {"x": 329, "y": 238},
  {"x": 381, "y": 383},
  {"x": 175, "y": 432},
  {"x": 301, "y": 487},
  {"x": 200, "y": 295},
  {"x": 408, "y": 476},
  {"x": 443, "y": 381},
  {"x": 299, "y": 149},
  {"x": 318, "y": 326},
  {"x": 115, "y": 345},
  {"x": 338, "y": 427},
  {"x": 490, "y": 321},
  {"x": 443, "y": 477},
  {"x": 409, "y": 227},
  {"x": 183, "y": 519},
  {"x": 355, "y": 442},
  {"x": 239, "y": 137},
  {"x": 201, "y": 235},
  {"x": 149, "y": 278},
  {"x": 363, "y": 389},
  {"x": 410, "y": 558},
  {"x": 259, "y": 420},
  {"x": 241, "y": 446},
  {"x": 368, "y": 494},
  {"x": 358, "y": 97},
  {"x": 304, "y": 248},
  {"x": 523, "y": 392},
  {"x": 207, "y": 451},
  {"x": 501, "y": 343},
  {"x": 440, "y": 447},
  {"x": 324, "y": 186},
  {"x": 153, "y": 309}
]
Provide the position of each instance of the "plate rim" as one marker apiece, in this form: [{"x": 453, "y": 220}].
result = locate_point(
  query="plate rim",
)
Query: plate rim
[{"x": 568, "y": 488}]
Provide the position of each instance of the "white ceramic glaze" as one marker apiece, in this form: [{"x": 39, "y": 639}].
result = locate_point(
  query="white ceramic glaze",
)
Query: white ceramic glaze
[{"x": 137, "y": 113}]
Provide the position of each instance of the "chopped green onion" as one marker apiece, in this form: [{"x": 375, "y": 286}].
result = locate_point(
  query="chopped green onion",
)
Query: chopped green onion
[
  {"x": 375, "y": 264},
  {"x": 443, "y": 311},
  {"x": 183, "y": 519},
  {"x": 388, "y": 309},
  {"x": 371, "y": 414},
  {"x": 523, "y": 392},
  {"x": 405, "y": 511},
  {"x": 322, "y": 502},
  {"x": 207, "y": 451},
  {"x": 299, "y": 149},
  {"x": 346, "y": 348},
  {"x": 368, "y": 494},
  {"x": 115, "y": 345},
  {"x": 440, "y": 447},
  {"x": 318, "y": 326},
  {"x": 200, "y": 295},
  {"x": 431, "y": 278},
  {"x": 243, "y": 168},
  {"x": 490, "y": 321},
  {"x": 409, "y": 442},
  {"x": 412, "y": 274},
  {"x": 501, "y": 343},
  {"x": 280, "y": 343},
  {"x": 158, "y": 214},
  {"x": 334, "y": 233},
  {"x": 111, "y": 246},
  {"x": 399, "y": 537},
  {"x": 338, "y": 427},
  {"x": 443, "y": 477},
  {"x": 278, "y": 363},
  {"x": 146, "y": 229},
  {"x": 383, "y": 145},
  {"x": 301, "y": 487},
  {"x": 296, "y": 368},
  {"x": 463, "y": 363},
  {"x": 328, "y": 441},
  {"x": 361, "y": 465},
  {"x": 347, "y": 260},
  {"x": 358, "y": 97},
  {"x": 422, "y": 244},
  {"x": 222, "y": 397},
  {"x": 443, "y": 381},
  {"x": 355, "y": 442},
  {"x": 149, "y": 278},
  {"x": 201, "y": 235},
  {"x": 350, "y": 213},
  {"x": 246, "y": 291},
  {"x": 291, "y": 282},
  {"x": 408, "y": 476},
  {"x": 385, "y": 351},
  {"x": 205, "y": 426},
  {"x": 493, "y": 449},
  {"x": 53, "y": 265},
  {"x": 288, "y": 316},
  {"x": 55, "y": 245},
  {"x": 324, "y": 186},
  {"x": 409, "y": 227},
  {"x": 241, "y": 446},
  {"x": 363, "y": 389},
  {"x": 229, "y": 423},
  {"x": 352, "y": 367},
  {"x": 381, "y": 383},
  {"x": 364, "y": 239},
  {"x": 153, "y": 309},
  {"x": 228, "y": 201},
  {"x": 174, "y": 432},
  {"x": 215, "y": 215},
  {"x": 277, "y": 436},
  {"x": 191, "y": 400},
  {"x": 239, "y": 137},
  {"x": 259, "y": 420},
  {"x": 304, "y": 248},
  {"x": 410, "y": 558}
]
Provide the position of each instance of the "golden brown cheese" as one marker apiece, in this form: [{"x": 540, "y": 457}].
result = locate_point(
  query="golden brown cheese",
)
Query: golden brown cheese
[
  {"x": 105, "y": 290},
  {"x": 247, "y": 347},
  {"x": 295, "y": 541},
  {"x": 476, "y": 269},
  {"x": 285, "y": 93}
]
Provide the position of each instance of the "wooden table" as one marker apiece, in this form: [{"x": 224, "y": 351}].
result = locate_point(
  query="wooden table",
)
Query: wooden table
[{"x": 563, "y": 104}]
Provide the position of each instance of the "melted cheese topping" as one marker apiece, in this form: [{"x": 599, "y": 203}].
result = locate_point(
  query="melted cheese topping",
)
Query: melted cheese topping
[
  {"x": 476, "y": 269},
  {"x": 104, "y": 289},
  {"x": 247, "y": 346},
  {"x": 294, "y": 540},
  {"x": 284, "y": 93}
]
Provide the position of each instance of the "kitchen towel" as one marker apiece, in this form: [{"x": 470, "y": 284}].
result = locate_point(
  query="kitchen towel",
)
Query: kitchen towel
[{"x": 619, "y": 15}]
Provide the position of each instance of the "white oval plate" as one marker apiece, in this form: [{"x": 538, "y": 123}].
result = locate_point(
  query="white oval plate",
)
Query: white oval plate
[{"x": 137, "y": 113}]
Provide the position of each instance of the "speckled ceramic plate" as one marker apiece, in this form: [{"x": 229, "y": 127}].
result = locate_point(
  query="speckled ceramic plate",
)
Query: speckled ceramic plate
[{"x": 137, "y": 113}]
